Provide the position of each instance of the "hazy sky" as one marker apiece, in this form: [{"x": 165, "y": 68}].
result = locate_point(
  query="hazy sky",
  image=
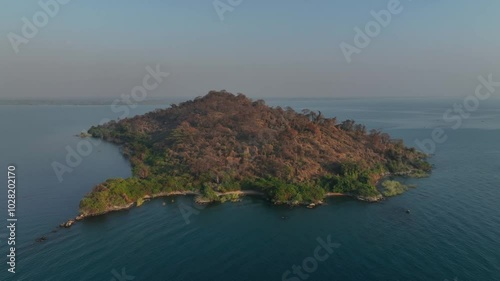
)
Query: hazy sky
[{"x": 263, "y": 48}]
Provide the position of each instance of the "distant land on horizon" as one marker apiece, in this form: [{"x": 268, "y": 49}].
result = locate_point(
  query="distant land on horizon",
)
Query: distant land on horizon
[
  {"x": 178, "y": 99},
  {"x": 78, "y": 101}
]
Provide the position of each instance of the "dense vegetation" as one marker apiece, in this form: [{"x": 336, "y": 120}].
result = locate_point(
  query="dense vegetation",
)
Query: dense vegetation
[{"x": 223, "y": 142}]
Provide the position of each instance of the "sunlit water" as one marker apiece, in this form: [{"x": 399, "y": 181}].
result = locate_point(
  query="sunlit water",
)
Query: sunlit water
[{"x": 452, "y": 231}]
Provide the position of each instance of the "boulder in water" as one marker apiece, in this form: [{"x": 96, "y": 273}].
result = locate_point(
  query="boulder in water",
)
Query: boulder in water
[
  {"x": 41, "y": 239},
  {"x": 67, "y": 224}
]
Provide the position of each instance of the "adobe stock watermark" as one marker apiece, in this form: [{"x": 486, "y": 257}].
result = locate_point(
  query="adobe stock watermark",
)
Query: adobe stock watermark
[
  {"x": 459, "y": 113},
  {"x": 372, "y": 29},
  {"x": 187, "y": 211},
  {"x": 121, "y": 276},
  {"x": 310, "y": 264},
  {"x": 48, "y": 9},
  {"x": 75, "y": 155},
  {"x": 223, "y": 6}
]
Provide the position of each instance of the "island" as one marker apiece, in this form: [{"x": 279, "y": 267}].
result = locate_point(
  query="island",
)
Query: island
[{"x": 221, "y": 146}]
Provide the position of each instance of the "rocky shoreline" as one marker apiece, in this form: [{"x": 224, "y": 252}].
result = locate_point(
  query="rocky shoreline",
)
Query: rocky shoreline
[
  {"x": 80, "y": 217},
  {"x": 201, "y": 200},
  {"x": 371, "y": 199}
]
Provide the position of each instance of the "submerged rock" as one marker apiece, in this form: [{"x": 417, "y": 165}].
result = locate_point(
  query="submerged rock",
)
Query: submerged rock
[
  {"x": 41, "y": 239},
  {"x": 375, "y": 198}
]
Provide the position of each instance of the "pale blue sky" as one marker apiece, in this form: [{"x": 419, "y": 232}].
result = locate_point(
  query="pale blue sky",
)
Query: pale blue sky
[{"x": 98, "y": 48}]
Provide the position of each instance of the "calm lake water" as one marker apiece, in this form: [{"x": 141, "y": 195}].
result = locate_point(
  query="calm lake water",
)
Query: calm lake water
[{"x": 452, "y": 232}]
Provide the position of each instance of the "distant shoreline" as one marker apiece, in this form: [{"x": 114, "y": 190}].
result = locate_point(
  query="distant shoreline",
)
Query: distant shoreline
[
  {"x": 167, "y": 101},
  {"x": 76, "y": 103}
]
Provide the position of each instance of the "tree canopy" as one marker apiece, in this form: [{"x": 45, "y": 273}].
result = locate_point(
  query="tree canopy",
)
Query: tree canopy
[{"x": 223, "y": 141}]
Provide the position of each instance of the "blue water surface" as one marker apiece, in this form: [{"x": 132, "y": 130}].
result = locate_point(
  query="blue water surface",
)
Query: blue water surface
[{"x": 452, "y": 232}]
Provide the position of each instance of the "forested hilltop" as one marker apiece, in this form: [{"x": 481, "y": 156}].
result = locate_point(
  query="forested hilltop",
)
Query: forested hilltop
[{"x": 223, "y": 142}]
